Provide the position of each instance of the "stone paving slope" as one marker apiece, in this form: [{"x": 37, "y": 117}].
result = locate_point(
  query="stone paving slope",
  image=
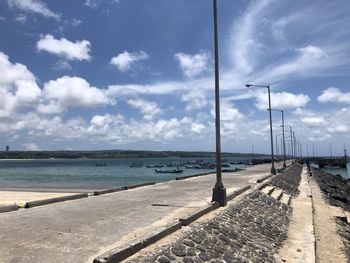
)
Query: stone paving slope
[
  {"x": 251, "y": 230},
  {"x": 288, "y": 183}
]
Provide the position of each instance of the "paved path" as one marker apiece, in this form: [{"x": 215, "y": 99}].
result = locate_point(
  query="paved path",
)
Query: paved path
[
  {"x": 300, "y": 245},
  {"x": 79, "y": 230}
]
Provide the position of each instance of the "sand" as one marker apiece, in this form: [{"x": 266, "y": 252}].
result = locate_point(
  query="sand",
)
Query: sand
[{"x": 20, "y": 198}]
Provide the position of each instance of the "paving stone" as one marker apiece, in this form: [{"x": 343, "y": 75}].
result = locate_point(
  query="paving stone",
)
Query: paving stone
[
  {"x": 188, "y": 260},
  {"x": 188, "y": 243},
  {"x": 179, "y": 250}
]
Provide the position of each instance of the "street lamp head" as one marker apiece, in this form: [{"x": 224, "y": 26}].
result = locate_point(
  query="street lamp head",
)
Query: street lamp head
[{"x": 248, "y": 85}]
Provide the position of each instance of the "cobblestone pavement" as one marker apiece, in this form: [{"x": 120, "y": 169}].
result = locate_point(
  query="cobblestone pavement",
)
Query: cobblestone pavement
[
  {"x": 251, "y": 230},
  {"x": 289, "y": 180}
]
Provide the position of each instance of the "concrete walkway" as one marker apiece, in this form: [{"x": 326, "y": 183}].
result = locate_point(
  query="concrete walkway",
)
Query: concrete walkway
[
  {"x": 78, "y": 231},
  {"x": 300, "y": 245}
]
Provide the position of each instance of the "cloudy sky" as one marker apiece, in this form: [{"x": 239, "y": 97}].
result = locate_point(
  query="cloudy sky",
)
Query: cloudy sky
[{"x": 135, "y": 74}]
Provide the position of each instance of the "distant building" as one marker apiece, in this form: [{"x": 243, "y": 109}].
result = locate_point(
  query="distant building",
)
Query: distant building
[{"x": 7, "y": 148}]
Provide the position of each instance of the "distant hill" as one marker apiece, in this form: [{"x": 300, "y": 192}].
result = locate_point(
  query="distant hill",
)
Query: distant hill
[{"x": 112, "y": 154}]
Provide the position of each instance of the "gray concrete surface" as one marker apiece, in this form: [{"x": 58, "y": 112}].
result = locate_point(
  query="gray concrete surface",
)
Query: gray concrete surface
[{"x": 80, "y": 230}]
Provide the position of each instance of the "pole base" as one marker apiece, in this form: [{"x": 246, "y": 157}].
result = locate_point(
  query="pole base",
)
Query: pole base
[
  {"x": 219, "y": 195},
  {"x": 284, "y": 165},
  {"x": 273, "y": 170}
]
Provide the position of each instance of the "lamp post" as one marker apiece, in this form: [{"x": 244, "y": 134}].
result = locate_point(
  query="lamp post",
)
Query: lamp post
[
  {"x": 284, "y": 143},
  {"x": 219, "y": 191},
  {"x": 273, "y": 170}
]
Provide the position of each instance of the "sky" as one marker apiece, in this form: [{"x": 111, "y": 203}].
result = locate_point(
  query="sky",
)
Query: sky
[{"x": 139, "y": 75}]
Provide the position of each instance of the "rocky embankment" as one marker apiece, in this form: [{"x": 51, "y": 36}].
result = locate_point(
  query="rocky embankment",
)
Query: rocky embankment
[
  {"x": 336, "y": 191},
  {"x": 251, "y": 230}
]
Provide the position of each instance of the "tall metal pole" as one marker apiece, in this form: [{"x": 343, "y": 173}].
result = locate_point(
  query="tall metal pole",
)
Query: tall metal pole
[
  {"x": 273, "y": 170},
  {"x": 291, "y": 142},
  {"x": 307, "y": 150},
  {"x": 295, "y": 146},
  {"x": 276, "y": 145},
  {"x": 313, "y": 150},
  {"x": 219, "y": 191},
  {"x": 284, "y": 143}
]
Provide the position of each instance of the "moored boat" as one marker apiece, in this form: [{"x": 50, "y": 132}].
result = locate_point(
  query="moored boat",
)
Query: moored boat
[{"x": 169, "y": 171}]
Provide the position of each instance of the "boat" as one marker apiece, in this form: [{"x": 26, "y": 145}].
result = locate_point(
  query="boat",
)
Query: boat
[
  {"x": 154, "y": 165},
  {"x": 100, "y": 164},
  {"x": 136, "y": 164},
  {"x": 171, "y": 171}
]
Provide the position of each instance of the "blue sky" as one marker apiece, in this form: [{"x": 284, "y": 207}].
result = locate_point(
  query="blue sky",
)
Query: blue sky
[{"x": 135, "y": 74}]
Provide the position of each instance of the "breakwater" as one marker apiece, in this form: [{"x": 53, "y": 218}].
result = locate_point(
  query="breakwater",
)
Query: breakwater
[{"x": 251, "y": 230}]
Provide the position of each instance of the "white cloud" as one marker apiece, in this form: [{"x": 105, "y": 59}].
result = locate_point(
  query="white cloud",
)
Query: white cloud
[
  {"x": 315, "y": 121},
  {"x": 193, "y": 65},
  {"x": 18, "y": 88},
  {"x": 125, "y": 61},
  {"x": 62, "y": 65},
  {"x": 31, "y": 147},
  {"x": 64, "y": 48},
  {"x": 22, "y": 19},
  {"x": 76, "y": 22},
  {"x": 281, "y": 100},
  {"x": 34, "y": 6},
  {"x": 196, "y": 99},
  {"x": 149, "y": 109},
  {"x": 95, "y": 3},
  {"x": 333, "y": 94},
  {"x": 232, "y": 120},
  {"x": 70, "y": 92}
]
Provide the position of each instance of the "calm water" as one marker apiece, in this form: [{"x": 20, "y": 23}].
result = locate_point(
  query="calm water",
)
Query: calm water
[
  {"x": 83, "y": 173},
  {"x": 343, "y": 172}
]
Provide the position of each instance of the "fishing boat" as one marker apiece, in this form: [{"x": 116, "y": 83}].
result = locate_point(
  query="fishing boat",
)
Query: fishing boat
[
  {"x": 100, "y": 164},
  {"x": 136, "y": 164},
  {"x": 171, "y": 171},
  {"x": 154, "y": 165}
]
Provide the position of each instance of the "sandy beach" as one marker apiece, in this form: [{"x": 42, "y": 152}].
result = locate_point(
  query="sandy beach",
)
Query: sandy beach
[{"x": 21, "y": 197}]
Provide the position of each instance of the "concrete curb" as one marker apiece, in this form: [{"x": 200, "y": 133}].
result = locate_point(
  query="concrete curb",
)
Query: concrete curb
[
  {"x": 120, "y": 253},
  {"x": 238, "y": 192},
  {"x": 262, "y": 179},
  {"x": 8, "y": 208},
  {"x": 54, "y": 200},
  {"x": 191, "y": 176},
  {"x": 122, "y": 188},
  {"x": 133, "y": 186},
  {"x": 199, "y": 213},
  {"x": 108, "y": 191}
]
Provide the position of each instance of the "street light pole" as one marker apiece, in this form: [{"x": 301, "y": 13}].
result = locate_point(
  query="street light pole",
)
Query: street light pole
[
  {"x": 273, "y": 170},
  {"x": 219, "y": 191},
  {"x": 284, "y": 142}
]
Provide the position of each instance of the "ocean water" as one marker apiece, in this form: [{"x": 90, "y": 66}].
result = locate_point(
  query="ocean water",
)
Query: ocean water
[
  {"x": 84, "y": 174},
  {"x": 345, "y": 172}
]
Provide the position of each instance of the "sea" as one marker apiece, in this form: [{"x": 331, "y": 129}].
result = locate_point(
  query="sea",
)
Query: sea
[{"x": 92, "y": 173}]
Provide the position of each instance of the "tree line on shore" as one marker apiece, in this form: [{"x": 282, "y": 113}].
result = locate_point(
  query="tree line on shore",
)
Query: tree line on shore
[{"x": 113, "y": 154}]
